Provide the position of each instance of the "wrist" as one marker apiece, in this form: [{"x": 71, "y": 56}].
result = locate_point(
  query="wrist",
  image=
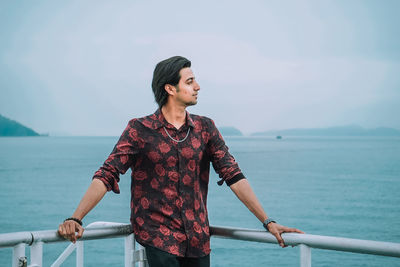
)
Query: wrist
[
  {"x": 268, "y": 221},
  {"x": 74, "y": 219}
]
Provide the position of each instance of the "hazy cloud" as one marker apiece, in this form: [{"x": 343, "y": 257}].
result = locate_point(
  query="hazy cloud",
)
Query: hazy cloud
[{"x": 86, "y": 68}]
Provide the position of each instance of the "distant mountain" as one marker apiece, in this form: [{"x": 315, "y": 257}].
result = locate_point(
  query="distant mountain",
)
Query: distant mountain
[
  {"x": 230, "y": 131},
  {"x": 12, "y": 128},
  {"x": 349, "y": 130}
]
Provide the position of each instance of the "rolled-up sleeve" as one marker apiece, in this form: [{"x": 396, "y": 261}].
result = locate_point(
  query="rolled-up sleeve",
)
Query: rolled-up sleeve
[
  {"x": 120, "y": 159},
  {"x": 223, "y": 162}
]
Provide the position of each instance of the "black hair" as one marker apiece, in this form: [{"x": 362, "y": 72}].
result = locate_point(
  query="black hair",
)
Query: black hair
[{"x": 167, "y": 72}]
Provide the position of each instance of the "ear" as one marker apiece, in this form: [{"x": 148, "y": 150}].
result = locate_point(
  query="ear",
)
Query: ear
[{"x": 170, "y": 89}]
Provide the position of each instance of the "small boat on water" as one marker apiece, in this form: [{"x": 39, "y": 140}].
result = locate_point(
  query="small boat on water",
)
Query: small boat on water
[{"x": 278, "y": 137}]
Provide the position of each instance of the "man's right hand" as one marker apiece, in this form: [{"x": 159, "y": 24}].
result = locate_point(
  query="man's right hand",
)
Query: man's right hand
[{"x": 70, "y": 230}]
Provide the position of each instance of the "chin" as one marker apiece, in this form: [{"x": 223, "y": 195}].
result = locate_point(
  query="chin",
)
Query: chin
[{"x": 191, "y": 103}]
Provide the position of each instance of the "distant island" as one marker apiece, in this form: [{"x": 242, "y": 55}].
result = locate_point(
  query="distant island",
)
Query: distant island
[
  {"x": 230, "y": 131},
  {"x": 348, "y": 130},
  {"x": 12, "y": 128}
]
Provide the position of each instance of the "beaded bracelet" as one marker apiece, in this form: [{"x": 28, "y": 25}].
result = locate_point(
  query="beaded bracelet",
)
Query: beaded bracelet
[
  {"x": 266, "y": 222},
  {"x": 74, "y": 219}
]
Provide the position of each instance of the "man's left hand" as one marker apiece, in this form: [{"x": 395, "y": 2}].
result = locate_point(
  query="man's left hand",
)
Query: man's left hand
[{"x": 277, "y": 229}]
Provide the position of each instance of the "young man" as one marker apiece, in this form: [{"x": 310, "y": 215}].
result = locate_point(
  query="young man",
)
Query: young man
[{"x": 169, "y": 153}]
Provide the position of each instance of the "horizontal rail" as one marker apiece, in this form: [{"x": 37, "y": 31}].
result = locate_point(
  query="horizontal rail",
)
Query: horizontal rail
[
  {"x": 314, "y": 241},
  {"x": 101, "y": 230},
  {"x": 96, "y": 230}
]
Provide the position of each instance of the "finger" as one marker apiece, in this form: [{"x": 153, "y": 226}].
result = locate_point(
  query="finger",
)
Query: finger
[
  {"x": 80, "y": 232},
  {"x": 299, "y": 231},
  {"x": 65, "y": 231},
  {"x": 279, "y": 239},
  {"x": 61, "y": 230},
  {"x": 70, "y": 232},
  {"x": 73, "y": 232},
  {"x": 292, "y": 230}
]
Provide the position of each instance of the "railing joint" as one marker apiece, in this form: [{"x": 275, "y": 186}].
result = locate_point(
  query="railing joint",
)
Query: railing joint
[
  {"x": 22, "y": 261},
  {"x": 32, "y": 239}
]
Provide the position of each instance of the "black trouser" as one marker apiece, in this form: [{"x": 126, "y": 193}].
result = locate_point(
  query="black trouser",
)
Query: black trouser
[{"x": 159, "y": 258}]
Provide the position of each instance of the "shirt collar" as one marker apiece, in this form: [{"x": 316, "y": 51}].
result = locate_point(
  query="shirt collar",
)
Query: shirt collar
[{"x": 160, "y": 121}]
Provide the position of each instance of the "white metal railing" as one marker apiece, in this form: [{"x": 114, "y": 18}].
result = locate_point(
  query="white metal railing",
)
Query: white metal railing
[
  {"x": 134, "y": 253},
  {"x": 307, "y": 241}
]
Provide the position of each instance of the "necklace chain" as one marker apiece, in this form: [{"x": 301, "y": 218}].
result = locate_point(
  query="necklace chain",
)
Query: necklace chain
[{"x": 178, "y": 141}]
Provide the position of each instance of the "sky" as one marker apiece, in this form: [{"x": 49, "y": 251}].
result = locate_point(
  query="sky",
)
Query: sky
[{"x": 85, "y": 67}]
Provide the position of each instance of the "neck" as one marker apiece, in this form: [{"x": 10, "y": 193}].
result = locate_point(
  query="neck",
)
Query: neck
[{"x": 176, "y": 115}]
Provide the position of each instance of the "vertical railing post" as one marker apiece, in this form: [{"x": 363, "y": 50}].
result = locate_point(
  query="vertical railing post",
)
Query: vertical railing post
[
  {"x": 37, "y": 254},
  {"x": 305, "y": 256},
  {"x": 141, "y": 253},
  {"x": 129, "y": 250},
  {"x": 18, "y": 252},
  {"x": 79, "y": 253}
]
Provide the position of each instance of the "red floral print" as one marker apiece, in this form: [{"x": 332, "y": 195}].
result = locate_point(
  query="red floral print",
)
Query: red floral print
[
  {"x": 179, "y": 202},
  {"x": 154, "y": 183},
  {"x": 187, "y": 152},
  {"x": 170, "y": 180},
  {"x": 158, "y": 242},
  {"x": 191, "y": 165},
  {"x": 154, "y": 156},
  {"x": 140, "y": 175},
  {"x": 206, "y": 230},
  {"x": 170, "y": 193},
  {"x": 194, "y": 242},
  {"x": 144, "y": 235},
  {"x": 197, "y": 227},
  {"x": 139, "y": 221},
  {"x": 196, "y": 186},
  {"x": 124, "y": 159},
  {"x": 171, "y": 161},
  {"x": 173, "y": 249},
  {"x": 164, "y": 230},
  {"x": 157, "y": 217},
  {"x": 202, "y": 216},
  {"x": 196, "y": 143},
  {"x": 167, "y": 210},
  {"x": 160, "y": 170},
  {"x": 189, "y": 214},
  {"x": 180, "y": 237},
  {"x": 123, "y": 146},
  {"x": 164, "y": 147},
  {"x": 186, "y": 179},
  {"x": 138, "y": 193},
  {"x": 133, "y": 133},
  {"x": 145, "y": 203},
  {"x": 174, "y": 176},
  {"x": 196, "y": 204}
]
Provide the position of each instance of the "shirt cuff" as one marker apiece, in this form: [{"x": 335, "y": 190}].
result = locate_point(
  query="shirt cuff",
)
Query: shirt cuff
[{"x": 233, "y": 180}]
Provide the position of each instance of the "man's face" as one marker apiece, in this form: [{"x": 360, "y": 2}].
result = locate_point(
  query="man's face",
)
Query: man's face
[{"x": 187, "y": 88}]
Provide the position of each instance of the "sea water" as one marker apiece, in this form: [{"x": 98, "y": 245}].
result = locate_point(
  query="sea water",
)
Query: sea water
[{"x": 335, "y": 186}]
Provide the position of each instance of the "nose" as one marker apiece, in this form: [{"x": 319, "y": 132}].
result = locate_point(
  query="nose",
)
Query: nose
[{"x": 197, "y": 86}]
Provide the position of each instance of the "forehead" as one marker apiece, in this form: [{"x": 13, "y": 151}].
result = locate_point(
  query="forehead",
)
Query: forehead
[{"x": 186, "y": 73}]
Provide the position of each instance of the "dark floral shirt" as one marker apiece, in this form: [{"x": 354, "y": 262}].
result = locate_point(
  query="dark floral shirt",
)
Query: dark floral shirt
[{"x": 170, "y": 180}]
